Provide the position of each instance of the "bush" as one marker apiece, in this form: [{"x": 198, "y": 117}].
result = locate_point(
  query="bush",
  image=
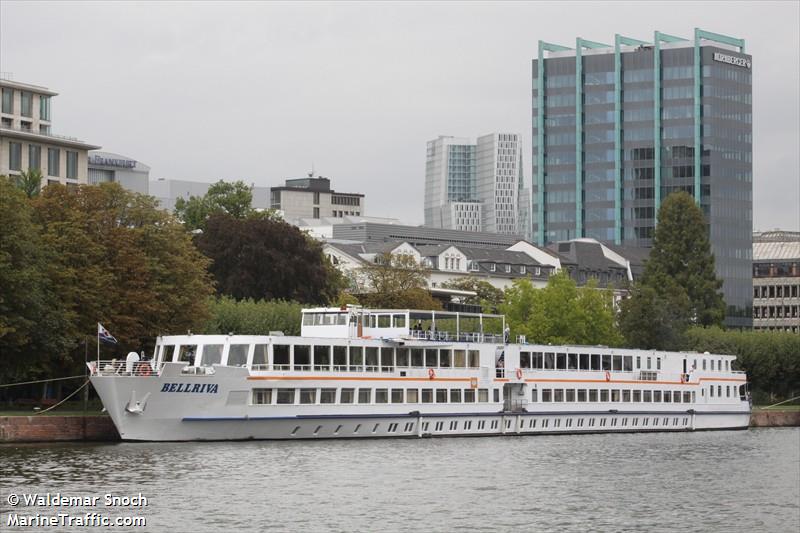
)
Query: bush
[
  {"x": 251, "y": 317},
  {"x": 770, "y": 358}
]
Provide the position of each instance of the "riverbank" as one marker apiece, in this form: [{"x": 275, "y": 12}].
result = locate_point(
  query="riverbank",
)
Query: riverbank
[
  {"x": 762, "y": 418},
  {"x": 80, "y": 427},
  {"x": 57, "y": 428}
]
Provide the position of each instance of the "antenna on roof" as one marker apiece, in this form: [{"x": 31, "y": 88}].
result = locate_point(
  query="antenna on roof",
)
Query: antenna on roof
[{"x": 311, "y": 174}]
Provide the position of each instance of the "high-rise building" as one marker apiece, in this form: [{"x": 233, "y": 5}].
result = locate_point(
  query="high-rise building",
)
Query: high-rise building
[
  {"x": 27, "y": 142},
  {"x": 474, "y": 185},
  {"x": 618, "y": 127}
]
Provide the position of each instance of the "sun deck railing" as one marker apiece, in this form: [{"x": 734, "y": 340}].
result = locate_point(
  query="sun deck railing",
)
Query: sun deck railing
[
  {"x": 120, "y": 367},
  {"x": 464, "y": 336}
]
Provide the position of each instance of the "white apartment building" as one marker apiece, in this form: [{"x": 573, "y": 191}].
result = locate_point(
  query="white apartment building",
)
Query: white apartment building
[
  {"x": 27, "y": 142},
  {"x": 313, "y": 198},
  {"x": 474, "y": 185}
]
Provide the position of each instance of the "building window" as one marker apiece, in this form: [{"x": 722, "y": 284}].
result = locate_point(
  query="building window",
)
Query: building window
[
  {"x": 8, "y": 101},
  {"x": 14, "y": 156},
  {"x": 27, "y": 104},
  {"x": 316, "y": 199},
  {"x": 72, "y": 165},
  {"x": 316, "y": 212},
  {"x": 34, "y": 157},
  {"x": 44, "y": 107},
  {"x": 53, "y": 162}
]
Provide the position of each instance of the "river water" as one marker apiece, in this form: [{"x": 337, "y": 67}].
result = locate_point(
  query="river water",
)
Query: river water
[{"x": 710, "y": 481}]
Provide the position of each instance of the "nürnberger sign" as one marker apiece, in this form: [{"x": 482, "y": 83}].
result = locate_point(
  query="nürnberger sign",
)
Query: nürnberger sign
[
  {"x": 732, "y": 60},
  {"x": 111, "y": 162}
]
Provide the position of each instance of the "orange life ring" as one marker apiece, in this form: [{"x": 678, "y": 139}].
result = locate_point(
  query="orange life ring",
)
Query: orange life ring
[
  {"x": 431, "y": 373},
  {"x": 608, "y": 375},
  {"x": 519, "y": 373},
  {"x": 145, "y": 370}
]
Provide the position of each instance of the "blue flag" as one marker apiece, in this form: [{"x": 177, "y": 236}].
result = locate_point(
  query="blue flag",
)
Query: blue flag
[{"x": 104, "y": 335}]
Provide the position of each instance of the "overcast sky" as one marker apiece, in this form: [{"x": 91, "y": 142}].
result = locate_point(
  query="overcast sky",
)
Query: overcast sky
[{"x": 259, "y": 92}]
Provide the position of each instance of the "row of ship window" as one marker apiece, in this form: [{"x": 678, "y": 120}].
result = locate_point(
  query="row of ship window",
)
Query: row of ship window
[
  {"x": 287, "y": 396},
  {"x": 312, "y": 396},
  {"x": 482, "y": 425},
  {"x": 613, "y": 395},
  {"x": 619, "y": 363},
  {"x": 359, "y": 358}
]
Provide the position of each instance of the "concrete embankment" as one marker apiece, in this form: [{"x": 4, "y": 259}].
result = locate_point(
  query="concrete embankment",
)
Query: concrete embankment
[
  {"x": 56, "y": 428},
  {"x": 763, "y": 419},
  {"x": 100, "y": 428}
]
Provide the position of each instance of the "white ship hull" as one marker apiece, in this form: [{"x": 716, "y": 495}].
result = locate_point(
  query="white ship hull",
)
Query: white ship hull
[
  {"x": 366, "y": 373},
  {"x": 198, "y": 416}
]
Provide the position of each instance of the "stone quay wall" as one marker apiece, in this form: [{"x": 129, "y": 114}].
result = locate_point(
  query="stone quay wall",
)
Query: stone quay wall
[{"x": 57, "y": 428}]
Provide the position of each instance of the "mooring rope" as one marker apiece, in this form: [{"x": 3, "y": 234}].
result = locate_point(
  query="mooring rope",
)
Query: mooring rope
[
  {"x": 779, "y": 403},
  {"x": 39, "y": 381},
  {"x": 64, "y": 400}
]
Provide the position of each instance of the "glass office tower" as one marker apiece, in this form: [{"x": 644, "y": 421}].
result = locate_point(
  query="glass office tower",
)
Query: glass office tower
[{"x": 618, "y": 127}]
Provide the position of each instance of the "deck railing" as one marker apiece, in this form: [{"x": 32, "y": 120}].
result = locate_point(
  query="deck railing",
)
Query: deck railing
[
  {"x": 463, "y": 336},
  {"x": 117, "y": 367}
]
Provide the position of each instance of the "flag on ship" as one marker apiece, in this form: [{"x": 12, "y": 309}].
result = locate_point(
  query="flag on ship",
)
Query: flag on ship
[{"x": 104, "y": 335}]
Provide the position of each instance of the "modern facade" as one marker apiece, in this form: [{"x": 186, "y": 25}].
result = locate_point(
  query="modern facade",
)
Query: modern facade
[
  {"x": 107, "y": 167},
  {"x": 776, "y": 281},
  {"x": 618, "y": 127},
  {"x": 474, "y": 185},
  {"x": 312, "y": 197},
  {"x": 27, "y": 142},
  {"x": 167, "y": 192}
]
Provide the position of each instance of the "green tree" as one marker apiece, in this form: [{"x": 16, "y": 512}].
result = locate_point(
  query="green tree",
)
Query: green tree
[
  {"x": 489, "y": 297},
  {"x": 234, "y": 199},
  {"x": 30, "y": 182},
  {"x": 770, "y": 358},
  {"x": 30, "y": 310},
  {"x": 679, "y": 287},
  {"x": 653, "y": 318},
  {"x": 561, "y": 313},
  {"x": 396, "y": 281},
  {"x": 122, "y": 261},
  {"x": 682, "y": 252},
  {"x": 263, "y": 258},
  {"x": 252, "y": 317},
  {"x": 598, "y": 315}
]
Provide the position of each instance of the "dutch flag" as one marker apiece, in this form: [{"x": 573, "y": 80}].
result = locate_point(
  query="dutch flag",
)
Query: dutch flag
[{"x": 104, "y": 335}]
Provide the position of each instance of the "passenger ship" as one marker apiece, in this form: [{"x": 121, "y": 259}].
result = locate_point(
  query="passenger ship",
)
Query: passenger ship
[{"x": 355, "y": 373}]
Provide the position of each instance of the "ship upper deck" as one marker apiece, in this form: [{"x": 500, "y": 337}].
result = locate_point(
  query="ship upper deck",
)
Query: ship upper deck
[{"x": 352, "y": 322}]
